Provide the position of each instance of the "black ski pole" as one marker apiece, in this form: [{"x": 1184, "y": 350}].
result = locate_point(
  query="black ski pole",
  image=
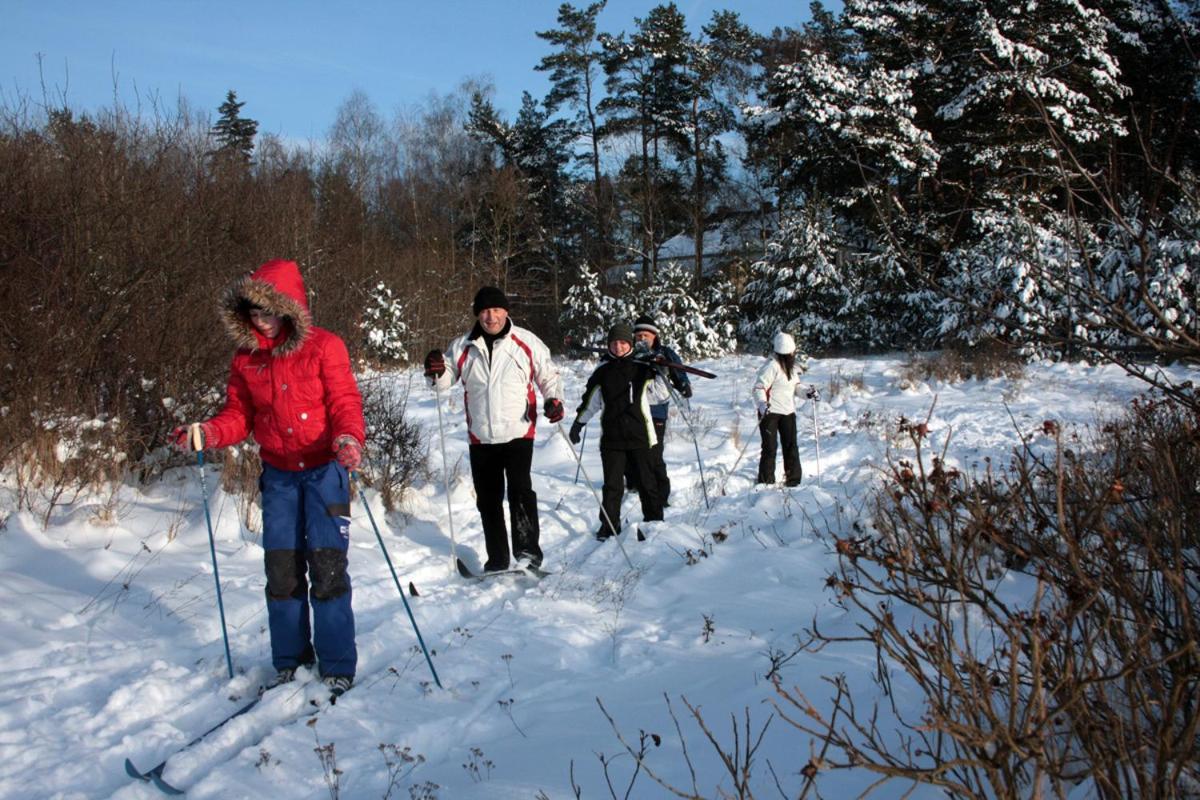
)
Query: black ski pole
[
  {"x": 579, "y": 460},
  {"x": 392, "y": 569}
]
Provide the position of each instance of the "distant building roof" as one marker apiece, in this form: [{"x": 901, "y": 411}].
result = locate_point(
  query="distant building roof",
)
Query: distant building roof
[{"x": 720, "y": 244}]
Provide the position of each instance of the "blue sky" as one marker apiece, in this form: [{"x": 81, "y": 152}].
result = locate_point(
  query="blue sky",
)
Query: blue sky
[{"x": 294, "y": 63}]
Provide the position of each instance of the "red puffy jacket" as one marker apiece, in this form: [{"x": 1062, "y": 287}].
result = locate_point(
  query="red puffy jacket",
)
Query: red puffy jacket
[{"x": 296, "y": 392}]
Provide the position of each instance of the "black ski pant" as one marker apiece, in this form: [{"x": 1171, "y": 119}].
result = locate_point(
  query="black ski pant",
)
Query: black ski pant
[
  {"x": 657, "y": 466},
  {"x": 492, "y": 466},
  {"x": 782, "y": 426},
  {"x": 615, "y": 461}
]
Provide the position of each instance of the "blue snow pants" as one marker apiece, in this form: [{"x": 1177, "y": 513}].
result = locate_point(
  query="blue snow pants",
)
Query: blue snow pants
[{"x": 306, "y": 535}]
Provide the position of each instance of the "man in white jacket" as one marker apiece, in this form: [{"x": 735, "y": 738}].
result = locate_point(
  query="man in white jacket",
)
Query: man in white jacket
[{"x": 499, "y": 364}]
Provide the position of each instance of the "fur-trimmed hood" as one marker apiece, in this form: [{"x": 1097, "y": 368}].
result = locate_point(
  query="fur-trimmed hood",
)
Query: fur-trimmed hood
[{"x": 276, "y": 287}]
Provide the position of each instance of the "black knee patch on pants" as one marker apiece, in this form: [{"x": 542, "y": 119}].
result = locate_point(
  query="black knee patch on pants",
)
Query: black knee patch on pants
[
  {"x": 285, "y": 575},
  {"x": 328, "y": 568}
]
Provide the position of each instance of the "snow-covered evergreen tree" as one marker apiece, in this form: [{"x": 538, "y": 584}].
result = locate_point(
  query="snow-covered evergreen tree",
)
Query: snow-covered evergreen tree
[
  {"x": 1148, "y": 273},
  {"x": 719, "y": 296},
  {"x": 998, "y": 86},
  {"x": 822, "y": 282},
  {"x": 798, "y": 287},
  {"x": 587, "y": 312},
  {"x": 1019, "y": 280},
  {"x": 856, "y": 119},
  {"x": 685, "y": 321},
  {"x": 385, "y": 334}
]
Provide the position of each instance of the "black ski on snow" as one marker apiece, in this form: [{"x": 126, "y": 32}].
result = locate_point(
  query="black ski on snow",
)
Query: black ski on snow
[
  {"x": 155, "y": 774},
  {"x": 465, "y": 571}
]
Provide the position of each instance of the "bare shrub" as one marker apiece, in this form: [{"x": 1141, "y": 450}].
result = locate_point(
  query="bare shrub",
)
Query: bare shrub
[
  {"x": 1046, "y": 614},
  {"x": 396, "y": 448},
  {"x": 57, "y": 459},
  {"x": 957, "y": 363},
  {"x": 241, "y": 468},
  {"x": 839, "y": 381},
  {"x": 737, "y": 756}
]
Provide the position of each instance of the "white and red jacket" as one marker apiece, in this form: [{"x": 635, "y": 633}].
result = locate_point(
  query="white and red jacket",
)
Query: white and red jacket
[
  {"x": 498, "y": 388},
  {"x": 774, "y": 391}
]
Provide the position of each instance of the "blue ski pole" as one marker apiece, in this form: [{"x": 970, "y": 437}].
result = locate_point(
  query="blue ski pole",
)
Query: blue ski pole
[
  {"x": 198, "y": 444},
  {"x": 388, "y": 559}
]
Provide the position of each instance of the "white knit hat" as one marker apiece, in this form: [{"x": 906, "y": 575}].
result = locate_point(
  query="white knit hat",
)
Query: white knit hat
[{"x": 783, "y": 343}]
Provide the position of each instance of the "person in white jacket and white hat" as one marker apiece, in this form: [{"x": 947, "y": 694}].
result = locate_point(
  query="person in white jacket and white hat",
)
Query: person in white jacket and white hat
[
  {"x": 775, "y": 389},
  {"x": 499, "y": 364}
]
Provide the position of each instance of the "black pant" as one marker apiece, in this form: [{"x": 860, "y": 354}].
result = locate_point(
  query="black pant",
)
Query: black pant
[
  {"x": 615, "y": 463},
  {"x": 785, "y": 425},
  {"x": 491, "y": 464},
  {"x": 657, "y": 466}
]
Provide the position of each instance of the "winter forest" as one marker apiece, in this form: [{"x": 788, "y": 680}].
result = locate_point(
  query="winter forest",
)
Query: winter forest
[{"x": 936, "y": 193}]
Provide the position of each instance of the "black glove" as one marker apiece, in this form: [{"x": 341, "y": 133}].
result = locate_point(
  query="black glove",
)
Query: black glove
[
  {"x": 435, "y": 364},
  {"x": 686, "y": 391},
  {"x": 553, "y": 409},
  {"x": 576, "y": 429}
]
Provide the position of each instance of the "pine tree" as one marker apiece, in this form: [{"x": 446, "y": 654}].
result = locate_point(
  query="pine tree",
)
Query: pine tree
[
  {"x": 574, "y": 75},
  {"x": 678, "y": 308},
  {"x": 824, "y": 282},
  {"x": 1018, "y": 279},
  {"x": 385, "y": 332},
  {"x": 537, "y": 148},
  {"x": 799, "y": 287},
  {"x": 587, "y": 312},
  {"x": 646, "y": 98},
  {"x": 998, "y": 86},
  {"x": 234, "y": 134},
  {"x": 1146, "y": 278},
  {"x": 716, "y": 77}
]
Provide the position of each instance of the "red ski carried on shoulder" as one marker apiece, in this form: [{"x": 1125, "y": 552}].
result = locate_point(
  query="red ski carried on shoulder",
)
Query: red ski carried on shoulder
[{"x": 657, "y": 361}]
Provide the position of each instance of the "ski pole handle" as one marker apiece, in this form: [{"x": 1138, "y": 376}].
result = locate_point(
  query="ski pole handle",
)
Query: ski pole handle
[{"x": 197, "y": 437}]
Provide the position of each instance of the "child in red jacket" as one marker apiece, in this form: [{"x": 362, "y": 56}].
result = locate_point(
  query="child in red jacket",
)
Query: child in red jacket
[{"x": 290, "y": 385}]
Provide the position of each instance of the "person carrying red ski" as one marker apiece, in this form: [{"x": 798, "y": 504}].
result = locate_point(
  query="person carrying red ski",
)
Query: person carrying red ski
[
  {"x": 647, "y": 340},
  {"x": 499, "y": 364},
  {"x": 290, "y": 384},
  {"x": 621, "y": 391},
  {"x": 775, "y": 390}
]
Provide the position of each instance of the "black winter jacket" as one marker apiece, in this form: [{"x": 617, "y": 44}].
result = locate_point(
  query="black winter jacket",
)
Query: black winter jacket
[{"x": 622, "y": 390}]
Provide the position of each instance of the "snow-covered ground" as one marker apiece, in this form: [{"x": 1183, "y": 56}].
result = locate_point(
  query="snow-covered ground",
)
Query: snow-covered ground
[{"x": 112, "y": 643}]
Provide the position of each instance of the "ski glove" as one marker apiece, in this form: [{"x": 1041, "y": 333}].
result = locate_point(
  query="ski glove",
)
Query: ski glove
[
  {"x": 762, "y": 409},
  {"x": 553, "y": 409},
  {"x": 686, "y": 391},
  {"x": 435, "y": 364},
  {"x": 576, "y": 429},
  {"x": 348, "y": 452},
  {"x": 181, "y": 437}
]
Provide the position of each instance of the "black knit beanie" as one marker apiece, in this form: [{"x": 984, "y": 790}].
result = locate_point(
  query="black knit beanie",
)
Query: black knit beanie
[
  {"x": 489, "y": 297},
  {"x": 620, "y": 333}
]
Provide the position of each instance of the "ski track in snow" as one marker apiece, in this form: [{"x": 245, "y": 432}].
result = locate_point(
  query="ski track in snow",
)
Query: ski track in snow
[{"x": 112, "y": 643}]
